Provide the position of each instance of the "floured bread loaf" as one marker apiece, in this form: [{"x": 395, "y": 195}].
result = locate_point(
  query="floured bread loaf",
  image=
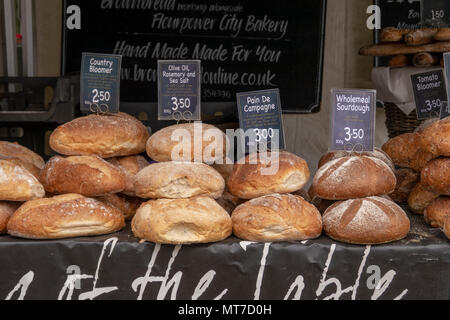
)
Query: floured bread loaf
[
  {"x": 7, "y": 209},
  {"x": 436, "y": 138},
  {"x": 436, "y": 175},
  {"x": 126, "y": 204},
  {"x": 277, "y": 218},
  {"x": 130, "y": 166},
  {"x": 64, "y": 216},
  {"x": 177, "y": 180},
  {"x": 354, "y": 177},
  {"x": 367, "y": 221},
  {"x": 31, "y": 168},
  {"x": 255, "y": 178},
  {"x": 106, "y": 136},
  {"x": 14, "y": 150},
  {"x": 437, "y": 212},
  {"x": 182, "y": 221},
  {"x": 18, "y": 184},
  {"x": 377, "y": 153},
  {"x": 420, "y": 198}
]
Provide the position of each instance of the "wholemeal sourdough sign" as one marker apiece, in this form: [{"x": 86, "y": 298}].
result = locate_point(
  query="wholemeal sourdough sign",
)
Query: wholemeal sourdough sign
[{"x": 243, "y": 45}]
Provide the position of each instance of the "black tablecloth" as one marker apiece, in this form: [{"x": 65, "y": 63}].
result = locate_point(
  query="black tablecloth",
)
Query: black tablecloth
[{"x": 117, "y": 266}]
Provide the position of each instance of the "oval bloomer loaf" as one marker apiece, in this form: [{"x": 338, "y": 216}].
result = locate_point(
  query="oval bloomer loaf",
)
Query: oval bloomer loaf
[
  {"x": 176, "y": 180},
  {"x": 436, "y": 175},
  {"x": 106, "y": 136},
  {"x": 182, "y": 221},
  {"x": 90, "y": 176},
  {"x": 277, "y": 218},
  {"x": 367, "y": 221},
  {"x": 437, "y": 212},
  {"x": 436, "y": 138},
  {"x": 354, "y": 177},
  {"x": 249, "y": 180},
  {"x": 14, "y": 150},
  {"x": 64, "y": 216},
  {"x": 130, "y": 166},
  {"x": 18, "y": 184},
  {"x": 7, "y": 209}
]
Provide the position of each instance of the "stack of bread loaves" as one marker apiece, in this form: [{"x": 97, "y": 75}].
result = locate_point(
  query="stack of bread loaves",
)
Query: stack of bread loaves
[
  {"x": 273, "y": 213},
  {"x": 183, "y": 209},
  {"x": 85, "y": 186},
  {"x": 361, "y": 214}
]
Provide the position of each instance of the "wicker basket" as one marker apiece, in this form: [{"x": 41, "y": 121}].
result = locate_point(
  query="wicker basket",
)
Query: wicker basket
[{"x": 399, "y": 123}]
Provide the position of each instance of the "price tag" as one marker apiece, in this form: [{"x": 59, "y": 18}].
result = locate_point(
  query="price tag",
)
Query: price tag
[
  {"x": 100, "y": 82},
  {"x": 429, "y": 93},
  {"x": 445, "y": 112},
  {"x": 179, "y": 89},
  {"x": 435, "y": 13},
  {"x": 353, "y": 120},
  {"x": 260, "y": 117}
]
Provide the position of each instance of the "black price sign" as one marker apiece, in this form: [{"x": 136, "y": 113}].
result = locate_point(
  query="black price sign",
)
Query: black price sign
[
  {"x": 435, "y": 13},
  {"x": 353, "y": 120},
  {"x": 100, "y": 82},
  {"x": 445, "y": 112},
  {"x": 429, "y": 93},
  {"x": 179, "y": 87},
  {"x": 260, "y": 118}
]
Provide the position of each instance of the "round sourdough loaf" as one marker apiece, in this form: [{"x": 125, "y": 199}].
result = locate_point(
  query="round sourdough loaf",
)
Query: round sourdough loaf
[
  {"x": 436, "y": 175},
  {"x": 64, "y": 216},
  {"x": 279, "y": 172},
  {"x": 126, "y": 204},
  {"x": 18, "y": 184},
  {"x": 420, "y": 198},
  {"x": 277, "y": 218},
  {"x": 407, "y": 179},
  {"x": 182, "y": 221},
  {"x": 354, "y": 177},
  {"x": 377, "y": 153},
  {"x": 177, "y": 180},
  {"x": 190, "y": 142},
  {"x": 436, "y": 138},
  {"x": 367, "y": 221},
  {"x": 130, "y": 166},
  {"x": 90, "y": 176},
  {"x": 14, "y": 150},
  {"x": 7, "y": 209},
  {"x": 437, "y": 212},
  {"x": 106, "y": 136}
]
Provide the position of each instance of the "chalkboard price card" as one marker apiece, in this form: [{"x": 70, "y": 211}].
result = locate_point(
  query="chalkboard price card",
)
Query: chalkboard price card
[
  {"x": 261, "y": 119},
  {"x": 353, "y": 120},
  {"x": 429, "y": 93},
  {"x": 446, "y": 112},
  {"x": 100, "y": 82},
  {"x": 435, "y": 13},
  {"x": 179, "y": 86}
]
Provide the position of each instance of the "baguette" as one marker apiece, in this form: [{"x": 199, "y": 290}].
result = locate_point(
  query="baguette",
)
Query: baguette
[{"x": 391, "y": 49}]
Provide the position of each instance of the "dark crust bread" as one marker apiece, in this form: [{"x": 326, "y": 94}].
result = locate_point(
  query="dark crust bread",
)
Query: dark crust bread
[
  {"x": 437, "y": 212},
  {"x": 436, "y": 175}
]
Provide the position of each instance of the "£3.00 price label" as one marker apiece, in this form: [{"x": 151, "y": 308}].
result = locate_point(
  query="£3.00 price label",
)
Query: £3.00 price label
[
  {"x": 179, "y": 86},
  {"x": 353, "y": 120},
  {"x": 100, "y": 82},
  {"x": 430, "y": 93}
]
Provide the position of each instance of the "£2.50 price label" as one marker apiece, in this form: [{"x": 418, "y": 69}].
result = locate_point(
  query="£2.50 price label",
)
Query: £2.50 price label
[
  {"x": 100, "y": 82},
  {"x": 353, "y": 120}
]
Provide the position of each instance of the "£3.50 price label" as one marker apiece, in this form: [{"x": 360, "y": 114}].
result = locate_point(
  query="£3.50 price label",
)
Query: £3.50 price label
[
  {"x": 100, "y": 82},
  {"x": 430, "y": 93}
]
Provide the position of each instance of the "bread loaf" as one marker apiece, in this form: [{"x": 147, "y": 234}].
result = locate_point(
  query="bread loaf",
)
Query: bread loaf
[
  {"x": 176, "y": 180},
  {"x": 391, "y": 34},
  {"x": 424, "y": 59},
  {"x": 106, "y": 136},
  {"x": 437, "y": 212},
  {"x": 392, "y": 49},
  {"x": 420, "y": 36},
  {"x": 31, "y": 168},
  {"x": 182, "y": 221},
  {"x": 436, "y": 138},
  {"x": 64, "y": 216},
  {"x": 190, "y": 142},
  {"x": 18, "y": 184},
  {"x": 130, "y": 166},
  {"x": 225, "y": 170},
  {"x": 90, "y": 176},
  {"x": 447, "y": 228},
  {"x": 443, "y": 34},
  {"x": 407, "y": 179},
  {"x": 277, "y": 218},
  {"x": 354, "y": 177},
  {"x": 7, "y": 209},
  {"x": 377, "y": 153},
  {"x": 126, "y": 204},
  {"x": 420, "y": 198},
  {"x": 367, "y": 221},
  {"x": 436, "y": 175},
  {"x": 321, "y": 204},
  {"x": 255, "y": 178},
  {"x": 399, "y": 61},
  {"x": 14, "y": 150}
]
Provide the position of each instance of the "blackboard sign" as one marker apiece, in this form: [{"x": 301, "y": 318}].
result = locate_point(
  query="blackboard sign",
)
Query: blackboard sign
[
  {"x": 353, "y": 120},
  {"x": 429, "y": 93},
  {"x": 435, "y": 13},
  {"x": 445, "y": 113},
  {"x": 243, "y": 45},
  {"x": 445, "y": 110}
]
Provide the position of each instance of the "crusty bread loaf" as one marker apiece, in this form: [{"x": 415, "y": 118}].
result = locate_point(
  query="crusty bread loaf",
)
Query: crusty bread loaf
[
  {"x": 182, "y": 221},
  {"x": 437, "y": 212},
  {"x": 18, "y": 184},
  {"x": 392, "y": 49},
  {"x": 249, "y": 180},
  {"x": 420, "y": 36},
  {"x": 443, "y": 34},
  {"x": 367, "y": 221},
  {"x": 391, "y": 34},
  {"x": 436, "y": 138},
  {"x": 407, "y": 179},
  {"x": 7, "y": 209},
  {"x": 277, "y": 218},
  {"x": 64, "y": 216},
  {"x": 191, "y": 142},
  {"x": 354, "y": 177},
  {"x": 424, "y": 59},
  {"x": 399, "y": 61},
  {"x": 177, "y": 180},
  {"x": 126, "y": 204},
  {"x": 304, "y": 194},
  {"x": 420, "y": 198},
  {"x": 14, "y": 150},
  {"x": 90, "y": 176},
  {"x": 130, "y": 166},
  {"x": 106, "y": 136},
  {"x": 436, "y": 175},
  {"x": 377, "y": 153},
  {"x": 31, "y": 168}
]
